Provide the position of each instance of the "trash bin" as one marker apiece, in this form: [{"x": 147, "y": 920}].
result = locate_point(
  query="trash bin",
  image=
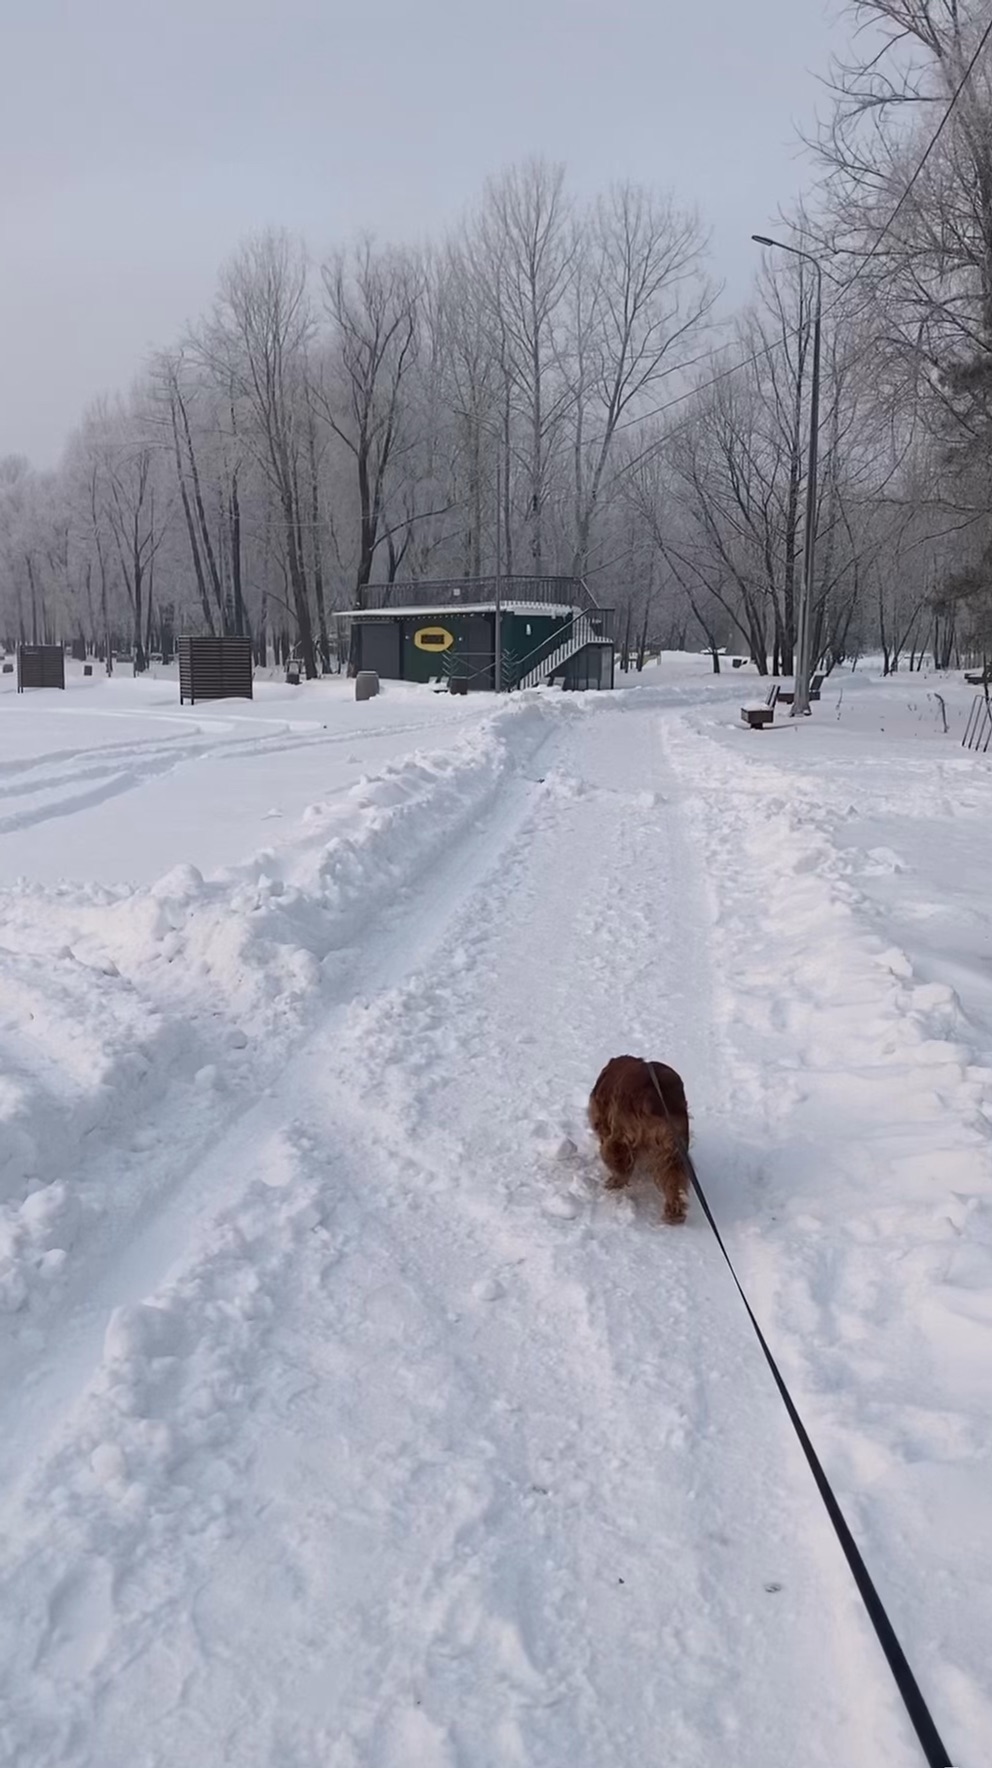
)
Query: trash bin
[
  {"x": 457, "y": 684},
  {"x": 366, "y": 684}
]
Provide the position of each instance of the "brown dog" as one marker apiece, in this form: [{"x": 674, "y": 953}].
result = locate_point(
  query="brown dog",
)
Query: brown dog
[{"x": 630, "y": 1120}]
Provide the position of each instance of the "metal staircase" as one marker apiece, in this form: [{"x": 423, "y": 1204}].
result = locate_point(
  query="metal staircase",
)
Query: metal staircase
[{"x": 572, "y": 636}]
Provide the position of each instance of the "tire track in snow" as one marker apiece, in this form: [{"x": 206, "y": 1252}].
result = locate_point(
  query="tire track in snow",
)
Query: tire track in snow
[{"x": 109, "y": 772}]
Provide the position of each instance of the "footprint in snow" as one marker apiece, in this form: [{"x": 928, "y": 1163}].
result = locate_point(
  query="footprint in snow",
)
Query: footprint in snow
[
  {"x": 489, "y": 1289},
  {"x": 80, "y": 1613},
  {"x": 109, "y": 1463},
  {"x": 563, "y": 1209}
]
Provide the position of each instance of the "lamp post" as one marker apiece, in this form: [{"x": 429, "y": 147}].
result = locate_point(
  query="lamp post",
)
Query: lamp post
[{"x": 800, "y": 705}]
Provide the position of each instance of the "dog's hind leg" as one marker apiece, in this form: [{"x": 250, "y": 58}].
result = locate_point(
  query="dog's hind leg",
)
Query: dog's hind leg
[
  {"x": 670, "y": 1176},
  {"x": 618, "y": 1159}
]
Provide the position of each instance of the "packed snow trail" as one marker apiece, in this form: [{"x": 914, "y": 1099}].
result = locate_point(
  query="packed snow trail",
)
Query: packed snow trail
[{"x": 425, "y": 1450}]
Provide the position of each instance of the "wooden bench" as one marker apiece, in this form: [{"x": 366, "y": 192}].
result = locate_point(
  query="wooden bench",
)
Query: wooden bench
[
  {"x": 756, "y": 717},
  {"x": 976, "y": 678},
  {"x": 787, "y": 696}
]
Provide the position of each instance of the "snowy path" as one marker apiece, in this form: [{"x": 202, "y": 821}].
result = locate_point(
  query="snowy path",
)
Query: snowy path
[{"x": 408, "y": 1445}]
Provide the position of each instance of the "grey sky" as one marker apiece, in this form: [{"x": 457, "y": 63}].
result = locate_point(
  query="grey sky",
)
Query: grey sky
[{"x": 139, "y": 139}]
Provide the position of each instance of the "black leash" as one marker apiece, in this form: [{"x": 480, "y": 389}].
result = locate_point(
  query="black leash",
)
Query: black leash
[{"x": 911, "y": 1695}]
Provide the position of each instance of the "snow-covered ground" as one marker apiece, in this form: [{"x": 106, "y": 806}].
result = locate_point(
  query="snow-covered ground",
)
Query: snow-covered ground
[
  {"x": 344, "y": 1419},
  {"x": 208, "y": 783}
]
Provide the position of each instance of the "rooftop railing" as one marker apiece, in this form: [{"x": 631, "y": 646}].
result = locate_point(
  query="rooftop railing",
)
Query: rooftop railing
[{"x": 557, "y": 592}]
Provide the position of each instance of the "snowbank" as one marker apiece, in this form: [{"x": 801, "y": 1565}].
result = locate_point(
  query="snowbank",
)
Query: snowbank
[
  {"x": 861, "y": 1092},
  {"x": 140, "y": 1013}
]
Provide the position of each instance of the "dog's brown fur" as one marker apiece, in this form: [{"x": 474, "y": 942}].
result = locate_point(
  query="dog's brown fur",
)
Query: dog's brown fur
[{"x": 630, "y": 1121}]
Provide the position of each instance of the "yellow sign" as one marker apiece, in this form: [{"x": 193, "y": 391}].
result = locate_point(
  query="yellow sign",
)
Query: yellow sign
[{"x": 433, "y": 638}]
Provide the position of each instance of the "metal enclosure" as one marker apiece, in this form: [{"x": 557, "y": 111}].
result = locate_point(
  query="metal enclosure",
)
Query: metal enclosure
[
  {"x": 40, "y": 666},
  {"x": 215, "y": 669}
]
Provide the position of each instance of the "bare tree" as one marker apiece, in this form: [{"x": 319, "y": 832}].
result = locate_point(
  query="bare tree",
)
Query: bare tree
[
  {"x": 524, "y": 256},
  {"x": 638, "y": 301},
  {"x": 127, "y": 462},
  {"x": 256, "y": 346},
  {"x": 373, "y": 299},
  {"x": 188, "y": 481},
  {"x": 467, "y": 375},
  {"x": 920, "y": 237},
  {"x": 16, "y": 495}
]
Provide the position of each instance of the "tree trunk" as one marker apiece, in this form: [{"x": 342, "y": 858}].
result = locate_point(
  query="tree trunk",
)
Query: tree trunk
[
  {"x": 194, "y": 545},
  {"x": 625, "y": 648},
  {"x": 301, "y": 605},
  {"x": 366, "y": 534},
  {"x": 140, "y": 663},
  {"x": 318, "y": 557},
  {"x": 29, "y": 562},
  {"x": 151, "y": 605},
  {"x": 236, "y": 578},
  {"x": 200, "y": 510}
]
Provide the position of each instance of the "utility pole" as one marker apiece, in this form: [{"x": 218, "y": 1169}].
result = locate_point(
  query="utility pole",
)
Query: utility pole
[{"x": 804, "y": 623}]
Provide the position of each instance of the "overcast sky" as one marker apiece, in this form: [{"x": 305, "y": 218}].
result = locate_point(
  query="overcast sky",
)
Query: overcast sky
[{"x": 139, "y": 139}]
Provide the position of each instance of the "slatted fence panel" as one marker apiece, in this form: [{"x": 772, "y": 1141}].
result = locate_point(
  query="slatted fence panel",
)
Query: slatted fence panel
[
  {"x": 215, "y": 669},
  {"x": 40, "y": 666}
]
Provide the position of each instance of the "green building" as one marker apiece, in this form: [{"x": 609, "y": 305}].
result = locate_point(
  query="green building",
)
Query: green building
[{"x": 550, "y": 631}]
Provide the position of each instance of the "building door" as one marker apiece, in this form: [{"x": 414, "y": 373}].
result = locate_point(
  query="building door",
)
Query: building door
[
  {"x": 476, "y": 650},
  {"x": 380, "y": 648}
]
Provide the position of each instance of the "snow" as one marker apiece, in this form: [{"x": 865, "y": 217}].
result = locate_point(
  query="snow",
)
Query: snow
[
  {"x": 205, "y": 782},
  {"x": 849, "y": 908},
  {"x": 344, "y": 1417}
]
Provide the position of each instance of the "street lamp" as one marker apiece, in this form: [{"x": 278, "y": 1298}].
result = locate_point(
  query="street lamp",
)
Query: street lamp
[{"x": 800, "y": 704}]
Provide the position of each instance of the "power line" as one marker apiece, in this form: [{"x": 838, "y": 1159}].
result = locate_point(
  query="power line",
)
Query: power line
[
  {"x": 931, "y": 144},
  {"x": 795, "y": 331}
]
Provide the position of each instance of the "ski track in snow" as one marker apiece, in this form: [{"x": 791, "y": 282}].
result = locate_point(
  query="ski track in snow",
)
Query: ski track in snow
[
  {"x": 41, "y": 789},
  {"x": 352, "y": 1422}
]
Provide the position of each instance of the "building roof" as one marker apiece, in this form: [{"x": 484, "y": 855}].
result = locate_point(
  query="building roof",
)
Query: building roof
[
  {"x": 417, "y": 595},
  {"x": 445, "y": 610}
]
